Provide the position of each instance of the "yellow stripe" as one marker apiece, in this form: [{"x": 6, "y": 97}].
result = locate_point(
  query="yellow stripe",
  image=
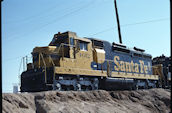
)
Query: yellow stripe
[{"x": 77, "y": 71}]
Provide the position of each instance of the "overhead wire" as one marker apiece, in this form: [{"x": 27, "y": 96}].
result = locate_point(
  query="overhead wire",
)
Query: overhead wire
[
  {"x": 54, "y": 20},
  {"x": 111, "y": 28},
  {"x": 33, "y": 16},
  {"x": 131, "y": 24},
  {"x": 39, "y": 15},
  {"x": 144, "y": 22},
  {"x": 19, "y": 57},
  {"x": 47, "y": 14},
  {"x": 9, "y": 59},
  {"x": 105, "y": 30}
]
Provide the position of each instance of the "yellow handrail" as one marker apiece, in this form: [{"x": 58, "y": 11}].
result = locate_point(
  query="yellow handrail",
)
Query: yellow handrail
[
  {"x": 51, "y": 60},
  {"x": 44, "y": 67}
]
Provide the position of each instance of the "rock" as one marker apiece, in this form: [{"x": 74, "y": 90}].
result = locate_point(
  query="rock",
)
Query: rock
[{"x": 140, "y": 101}]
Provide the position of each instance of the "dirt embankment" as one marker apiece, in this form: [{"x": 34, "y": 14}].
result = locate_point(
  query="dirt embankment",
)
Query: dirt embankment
[{"x": 141, "y": 101}]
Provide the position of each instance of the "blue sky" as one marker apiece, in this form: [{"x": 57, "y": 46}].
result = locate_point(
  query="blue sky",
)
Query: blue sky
[{"x": 30, "y": 23}]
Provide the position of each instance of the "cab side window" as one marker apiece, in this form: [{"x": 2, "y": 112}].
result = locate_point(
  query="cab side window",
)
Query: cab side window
[{"x": 83, "y": 46}]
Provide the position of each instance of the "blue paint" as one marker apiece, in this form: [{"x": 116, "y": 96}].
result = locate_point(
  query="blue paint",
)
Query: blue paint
[{"x": 126, "y": 57}]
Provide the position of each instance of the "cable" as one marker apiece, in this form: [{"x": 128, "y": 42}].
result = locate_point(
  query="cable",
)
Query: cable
[
  {"x": 62, "y": 17},
  {"x": 125, "y": 25},
  {"x": 55, "y": 19},
  {"x": 150, "y": 21},
  {"x": 108, "y": 29},
  {"x": 14, "y": 58},
  {"x": 33, "y": 16},
  {"x": 39, "y": 16}
]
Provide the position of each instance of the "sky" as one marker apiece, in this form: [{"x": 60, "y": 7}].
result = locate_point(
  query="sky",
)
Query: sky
[{"x": 29, "y": 23}]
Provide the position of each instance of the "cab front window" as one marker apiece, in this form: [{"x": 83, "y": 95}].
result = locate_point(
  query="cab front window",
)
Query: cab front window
[{"x": 71, "y": 41}]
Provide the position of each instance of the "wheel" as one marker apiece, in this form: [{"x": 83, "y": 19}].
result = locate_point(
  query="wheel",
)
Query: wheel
[
  {"x": 146, "y": 86},
  {"x": 78, "y": 87},
  {"x": 137, "y": 87},
  {"x": 57, "y": 86},
  {"x": 87, "y": 89},
  {"x": 96, "y": 86}
]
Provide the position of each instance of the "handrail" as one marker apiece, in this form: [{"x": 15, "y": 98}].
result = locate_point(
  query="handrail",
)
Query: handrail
[
  {"x": 53, "y": 67},
  {"x": 51, "y": 60},
  {"x": 59, "y": 48},
  {"x": 58, "y": 51},
  {"x": 39, "y": 62},
  {"x": 63, "y": 44},
  {"x": 41, "y": 56},
  {"x": 44, "y": 67}
]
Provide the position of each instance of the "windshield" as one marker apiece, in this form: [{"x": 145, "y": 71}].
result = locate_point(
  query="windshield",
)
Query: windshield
[{"x": 58, "y": 40}]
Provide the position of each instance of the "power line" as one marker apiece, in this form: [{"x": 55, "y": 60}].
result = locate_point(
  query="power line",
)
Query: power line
[
  {"x": 36, "y": 29},
  {"x": 132, "y": 24},
  {"x": 42, "y": 12},
  {"x": 144, "y": 22},
  {"x": 111, "y": 28},
  {"x": 13, "y": 58},
  {"x": 33, "y": 16},
  {"x": 56, "y": 19},
  {"x": 105, "y": 30},
  {"x": 19, "y": 57}
]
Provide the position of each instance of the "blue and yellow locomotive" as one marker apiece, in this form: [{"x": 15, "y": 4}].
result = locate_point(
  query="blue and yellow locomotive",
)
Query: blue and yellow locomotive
[{"x": 73, "y": 63}]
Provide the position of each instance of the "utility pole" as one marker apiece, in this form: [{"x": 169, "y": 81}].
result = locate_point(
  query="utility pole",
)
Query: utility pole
[{"x": 119, "y": 30}]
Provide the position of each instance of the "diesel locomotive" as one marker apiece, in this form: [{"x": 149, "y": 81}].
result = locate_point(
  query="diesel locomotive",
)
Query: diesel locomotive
[{"x": 73, "y": 63}]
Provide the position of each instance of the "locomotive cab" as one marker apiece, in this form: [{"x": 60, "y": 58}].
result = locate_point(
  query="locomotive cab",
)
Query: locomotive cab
[{"x": 65, "y": 50}]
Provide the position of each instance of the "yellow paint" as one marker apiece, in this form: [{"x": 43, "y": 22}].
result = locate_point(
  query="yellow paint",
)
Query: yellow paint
[
  {"x": 128, "y": 67},
  {"x": 116, "y": 58},
  {"x": 136, "y": 67},
  {"x": 146, "y": 68},
  {"x": 141, "y": 66},
  {"x": 74, "y": 71}
]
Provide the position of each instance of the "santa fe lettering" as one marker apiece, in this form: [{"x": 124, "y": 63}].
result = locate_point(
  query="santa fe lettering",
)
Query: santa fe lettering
[{"x": 130, "y": 66}]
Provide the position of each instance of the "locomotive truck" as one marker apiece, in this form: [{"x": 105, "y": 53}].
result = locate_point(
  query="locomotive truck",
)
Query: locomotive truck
[{"x": 73, "y": 63}]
